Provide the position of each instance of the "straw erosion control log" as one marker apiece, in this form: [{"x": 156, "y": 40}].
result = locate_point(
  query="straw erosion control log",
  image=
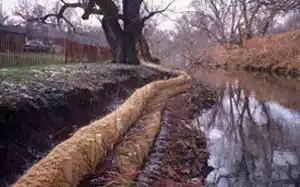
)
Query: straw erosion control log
[
  {"x": 69, "y": 162},
  {"x": 130, "y": 153}
]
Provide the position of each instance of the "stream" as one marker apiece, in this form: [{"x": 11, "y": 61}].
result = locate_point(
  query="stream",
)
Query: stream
[{"x": 253, "y": 130}]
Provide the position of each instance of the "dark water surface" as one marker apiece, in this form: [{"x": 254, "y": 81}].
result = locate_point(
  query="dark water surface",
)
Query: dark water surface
[{"x": 254, "y": 130}]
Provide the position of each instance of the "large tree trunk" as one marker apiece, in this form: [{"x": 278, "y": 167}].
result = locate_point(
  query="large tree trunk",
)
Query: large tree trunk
[
  {"x": 122, "y": 42},
  {"x": 112, "y": 29},
  {"x": 132, "y": 29},
  {"x": 114, "y": 38}
]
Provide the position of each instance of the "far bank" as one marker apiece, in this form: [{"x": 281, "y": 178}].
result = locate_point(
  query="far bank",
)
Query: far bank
[{"x": 278, "y": 53}]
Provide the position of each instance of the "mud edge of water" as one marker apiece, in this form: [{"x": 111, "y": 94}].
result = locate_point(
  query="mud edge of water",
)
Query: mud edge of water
[{"x": 179, "y": 156}]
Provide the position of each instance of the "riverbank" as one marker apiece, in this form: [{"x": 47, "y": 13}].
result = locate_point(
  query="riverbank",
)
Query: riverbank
[
  {"x": 41, "y": 106},
  {"x": 278, "y": 53},
  {"x": 181, "y": 154},
  {"x": 179, "y": 157}
]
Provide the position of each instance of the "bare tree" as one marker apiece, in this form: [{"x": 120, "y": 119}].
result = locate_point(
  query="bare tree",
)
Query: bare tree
[
  {"x": 220, "y": 19},
  {"x": 160, "y": 43},
  {"x": 190, "y": 41},
  {"x": 293, "y": 21},
  {"x": 234, "y": 20},
  {"x": 121, "y": 21},
  {"x": 28, "y": 10}
]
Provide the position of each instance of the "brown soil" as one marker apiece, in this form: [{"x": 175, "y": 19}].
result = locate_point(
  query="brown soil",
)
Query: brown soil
[
  {"x": 40, "y": 108},
  {"x": 179, "y": 155},
  {"x": 177, "y": 158}
]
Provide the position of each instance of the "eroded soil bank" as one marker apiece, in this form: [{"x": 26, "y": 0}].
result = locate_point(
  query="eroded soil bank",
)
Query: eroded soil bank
[
  {"x": 42, "y": 106},
  {"x": 178, "y": 156}
]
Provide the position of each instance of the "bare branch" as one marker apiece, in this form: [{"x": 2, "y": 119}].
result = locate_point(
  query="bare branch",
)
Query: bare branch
[
  {"x": 91, "y": 9},
  {"x": 88, "y": 10},
  {"x": 153, "y": 13}
]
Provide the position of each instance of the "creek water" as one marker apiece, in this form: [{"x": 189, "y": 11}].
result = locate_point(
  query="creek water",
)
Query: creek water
[{"x": 253, "y": 131}]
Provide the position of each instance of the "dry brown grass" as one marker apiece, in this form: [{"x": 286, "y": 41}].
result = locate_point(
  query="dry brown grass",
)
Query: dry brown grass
[{"x": 270, "y": 52}]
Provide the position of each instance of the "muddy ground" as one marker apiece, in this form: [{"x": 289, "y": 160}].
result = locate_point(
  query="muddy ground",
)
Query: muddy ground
[
  {"x": 42, "y": 106},
  {"x": 178, "y": 157}
]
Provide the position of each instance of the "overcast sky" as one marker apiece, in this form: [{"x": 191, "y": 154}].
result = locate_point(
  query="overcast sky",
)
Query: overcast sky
[{"x": 165, "y": 23}]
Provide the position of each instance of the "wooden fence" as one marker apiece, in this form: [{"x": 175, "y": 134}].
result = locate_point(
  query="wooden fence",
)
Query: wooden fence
[
  {"x": 70, "y": 55},
  {"x": 61, "y": 51}
]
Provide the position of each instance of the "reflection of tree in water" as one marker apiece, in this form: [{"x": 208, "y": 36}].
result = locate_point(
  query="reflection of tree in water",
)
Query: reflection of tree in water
[{"x": 252, "y": 143}]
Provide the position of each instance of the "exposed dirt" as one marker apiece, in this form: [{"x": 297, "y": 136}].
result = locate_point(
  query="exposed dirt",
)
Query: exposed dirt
[
  {"x": 179, "y": 155},
  {"x": 65, "y": 98},
  {"x": 40, "y": 107}
]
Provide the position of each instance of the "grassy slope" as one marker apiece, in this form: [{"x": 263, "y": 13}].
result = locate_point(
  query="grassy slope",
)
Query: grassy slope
[{"x": 280, "y": 52}]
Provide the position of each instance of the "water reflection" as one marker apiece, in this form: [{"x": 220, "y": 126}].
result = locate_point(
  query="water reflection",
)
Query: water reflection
[{"x": 252, "y": 142}]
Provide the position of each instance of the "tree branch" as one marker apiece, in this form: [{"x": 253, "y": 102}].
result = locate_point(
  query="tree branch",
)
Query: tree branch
[
  {"x": 153, "y": 13},
  {"x": 88, "y": 10},
  {"x": 91, "y": 9},
  {"x": 59, "y": 16}
]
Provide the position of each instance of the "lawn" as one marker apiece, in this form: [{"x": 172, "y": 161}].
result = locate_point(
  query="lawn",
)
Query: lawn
[{"x": 27, "y": 59}]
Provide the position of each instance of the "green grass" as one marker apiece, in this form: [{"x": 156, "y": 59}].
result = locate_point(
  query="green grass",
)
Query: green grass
[
  {"x": 28, "y": 59},
  {"x": 15, "y": 69}
]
